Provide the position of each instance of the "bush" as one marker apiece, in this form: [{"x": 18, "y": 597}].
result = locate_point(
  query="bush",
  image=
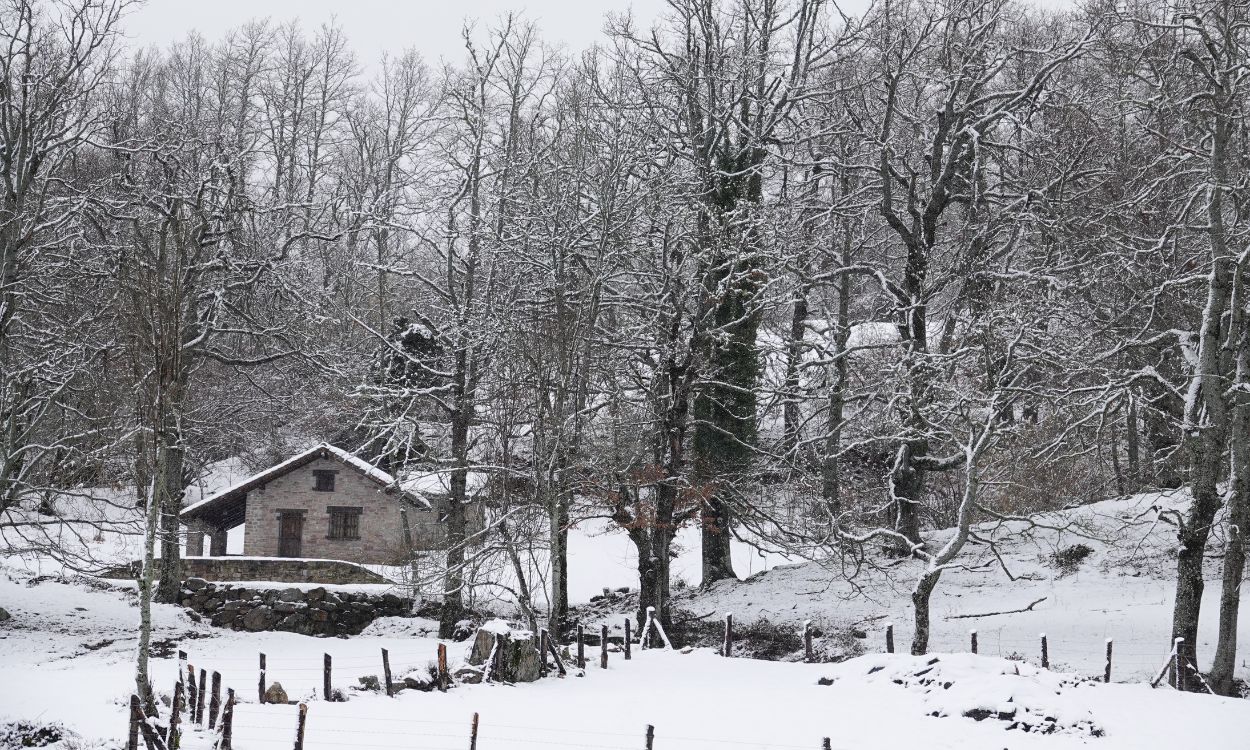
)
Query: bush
[{"x": 1069, "y": 559}]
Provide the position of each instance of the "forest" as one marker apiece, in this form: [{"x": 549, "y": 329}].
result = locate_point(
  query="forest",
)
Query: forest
[{"x": 826, "y": 282}]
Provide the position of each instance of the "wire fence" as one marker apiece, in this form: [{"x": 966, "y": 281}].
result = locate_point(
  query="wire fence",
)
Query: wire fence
[{"x": 267, "y": 726}]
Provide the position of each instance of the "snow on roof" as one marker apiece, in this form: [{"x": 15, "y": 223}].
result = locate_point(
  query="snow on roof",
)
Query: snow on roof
[
  {"x": 437, "y": 483},
  {"x": 296, "y": 461}
]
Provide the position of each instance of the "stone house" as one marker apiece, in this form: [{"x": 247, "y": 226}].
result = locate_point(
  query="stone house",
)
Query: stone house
[{"x": 328, "y": 504}]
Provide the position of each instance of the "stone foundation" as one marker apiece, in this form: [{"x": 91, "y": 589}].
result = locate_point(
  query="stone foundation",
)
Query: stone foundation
[{"x": 315, "y": 611}]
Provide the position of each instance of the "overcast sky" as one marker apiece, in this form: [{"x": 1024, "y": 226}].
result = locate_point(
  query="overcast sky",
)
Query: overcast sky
[{"x": 430, "y": 26}]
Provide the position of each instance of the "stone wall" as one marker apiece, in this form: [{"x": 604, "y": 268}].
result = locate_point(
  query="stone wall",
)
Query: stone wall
[
  {"x": 283, "y": 570},
  {"x": 314, "y": 611},
  {"x": 381, "y": 532}
]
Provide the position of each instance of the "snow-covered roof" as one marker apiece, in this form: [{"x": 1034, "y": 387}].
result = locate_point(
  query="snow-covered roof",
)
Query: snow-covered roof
[
  {"x": 323, "y": 450},
  {"x": 438, "y": 483}
]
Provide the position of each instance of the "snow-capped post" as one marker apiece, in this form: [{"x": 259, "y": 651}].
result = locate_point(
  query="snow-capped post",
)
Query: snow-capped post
[
  {"x": 1106, "y": 669},
  {"x": 650, "y": 737},
  {"x": 175, "y": 715},
  {"x": 192, "y": 693},
  {"x": 728, "y": 648},
  {"x": 136, "y": 716},
  {"x": 386, "y": 673},
  {"x": 214, "y": 703},
  {"x": 581, "y": 647},
  {"x": 1045, "y": 653},
  {"x": 1178, "y": 664},
  {"x": 299, "y": 726},
  {"x": 542, "y": 652},
  {"x": 260, "y": 688},
  {"x": 889, "y": 637},
  {"x": 808, "y": 655},
  {"x": 443, "y": 677},
  {"x": 182, "y": 663},
  {"x": 628, "y": 626},
  {"x": 327, "y": 665},
  {"x": 473, "y": 733},
  {"x": 973, "y": 635},
  {"x": 227, "y": 722},
  {"x": 603, "y": 646},
  {"x": 200, "y": 697}
]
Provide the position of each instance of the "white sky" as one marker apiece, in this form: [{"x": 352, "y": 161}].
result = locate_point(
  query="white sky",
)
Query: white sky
[{"x": 432, "y": 27}]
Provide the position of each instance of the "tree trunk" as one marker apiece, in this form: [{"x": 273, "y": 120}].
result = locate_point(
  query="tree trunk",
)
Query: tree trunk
[
  {"x": 559, "y": 520},
  {"x": 920, "y": 611},
  {"x": 453, "y": 579},
  {"x": 906, "y": 488},
  {"x": 171, "y": 455}
]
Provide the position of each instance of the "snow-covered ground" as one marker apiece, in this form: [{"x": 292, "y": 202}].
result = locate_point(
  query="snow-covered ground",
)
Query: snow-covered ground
[{"x": 66, "y": 657}]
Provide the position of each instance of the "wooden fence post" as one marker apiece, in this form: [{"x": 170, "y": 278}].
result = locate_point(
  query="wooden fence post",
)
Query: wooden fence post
[
  {"x": 326, "y": 667},
  {"x": 386, "y": 673},
  {"x": 473, "y": 733},
  {"x": 175, "y": 715},
  {"x": 192, "y": 693},
  {"x": 728, "y": 648},
  {"x": 581, "y": 647},
  {"x": 824, "y": 744},
  {"x": 201, "y": 697},
  {"x": 542, "y": 651},
  {"x": 650, "y": 737},
  {"x": 227, "y": 722},
  {"x": 973, "y": 635},
  {"x": 889, "y": 637},
  {"x": 443, "y": 677},
  {"x": 809, "y": 655},
  {"x": 1106, "y": 671},
  {"x": 260, "y": 687},
  {"x": 603, "y": 646},
  {"x": 299, "y": 726},
  {"x": 628, "y": 624},
  {"x": 1045, "y": 653},
  {"x": 214, "y": 704},
  {"x": 182, "y": 663},
  {"x": 132, "y": 739}
]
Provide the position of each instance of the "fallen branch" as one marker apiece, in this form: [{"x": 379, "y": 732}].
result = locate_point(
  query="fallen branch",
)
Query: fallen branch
[{"x": 1004, "y": 612}]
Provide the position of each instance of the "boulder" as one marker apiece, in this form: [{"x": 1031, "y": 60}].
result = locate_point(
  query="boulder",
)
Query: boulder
[
  {"x": 4, "y": 614},
  {"x": 370, "y": 682},
  {"x": 315, "y": 594},
  {"x": 290, "y": 595},
  {"x": 194, "y": 584},
  {"x": 275, "y": 694},
  {"x": 519, "y": 659},
  {"x": 260, "y": 618},
  {"x": 468, "y": 675}
]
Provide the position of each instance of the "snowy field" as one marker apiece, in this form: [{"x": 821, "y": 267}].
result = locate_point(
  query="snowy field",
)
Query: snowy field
[{"x": 66, "y": 657}]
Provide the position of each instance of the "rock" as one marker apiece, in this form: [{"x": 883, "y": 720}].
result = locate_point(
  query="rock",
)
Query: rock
[
  {"x": 315, "y": 594},
  {"x": 468, "y": 675},
  {"x": 422, "y": 682},
  {"x": 213, "y": 604},
  {"x": 4, "y": 614},
  {"x": 370, "y": 682},
  {"x": 195, "y": 616},
  {"x": 286, "y": 608},
  {"x": 318, "y": 615},
  {"x": 290, "y": 595},
  {"x": 295, "y": 624},
  {"x": 275, "y": 694},
  {"x": 261, "y": 618},
  {"x": 194, "y": 584},
  {"x": 519, "y": 661}
]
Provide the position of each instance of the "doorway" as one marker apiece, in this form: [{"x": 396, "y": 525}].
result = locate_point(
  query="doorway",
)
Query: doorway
[{"x": 290, "y": 533}]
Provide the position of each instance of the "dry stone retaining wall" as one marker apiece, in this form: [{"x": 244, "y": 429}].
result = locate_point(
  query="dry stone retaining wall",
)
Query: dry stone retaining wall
[{"x": 314, "y": 611}]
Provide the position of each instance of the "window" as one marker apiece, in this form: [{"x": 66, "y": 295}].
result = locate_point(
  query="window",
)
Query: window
[
  {"x": 344, "y": 523},
  {"x": 323, "y": 480}
]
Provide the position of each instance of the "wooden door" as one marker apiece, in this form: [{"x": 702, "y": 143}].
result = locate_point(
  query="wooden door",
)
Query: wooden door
[{"x": 290, "y": 534}]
